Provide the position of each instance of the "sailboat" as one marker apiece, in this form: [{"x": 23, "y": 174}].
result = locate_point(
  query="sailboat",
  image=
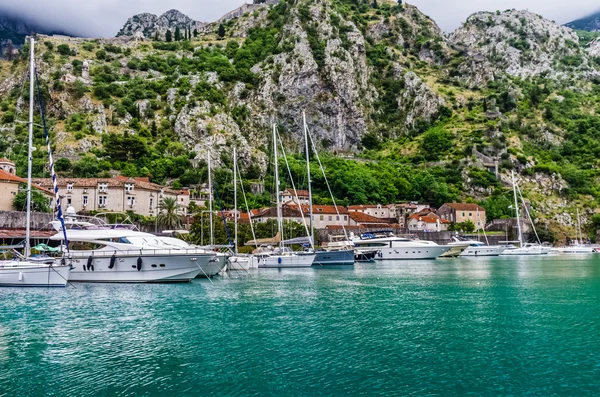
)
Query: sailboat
[
  {"x": 331, "y": 254},
  {"x": 281, "y": 257},
  {"x": 524, "y": 248},
  {"x": 579, "y": 247},
  {"x": 23, "y": 271}
]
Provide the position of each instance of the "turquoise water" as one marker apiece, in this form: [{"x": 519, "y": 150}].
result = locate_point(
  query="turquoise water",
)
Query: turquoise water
[{"x": 447, "y": 327}]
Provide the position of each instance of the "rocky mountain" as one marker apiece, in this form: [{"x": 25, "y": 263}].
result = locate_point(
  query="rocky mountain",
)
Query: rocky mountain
[
  {"x": 148, "y": 25},
  {"x": 520, "y": 44},
  {"x": 404, "y": 111},
  {"x": 590, "y": 23}
]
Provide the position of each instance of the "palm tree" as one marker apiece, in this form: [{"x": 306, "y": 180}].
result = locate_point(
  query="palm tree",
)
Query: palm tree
[{"x": 169, "y": 216}]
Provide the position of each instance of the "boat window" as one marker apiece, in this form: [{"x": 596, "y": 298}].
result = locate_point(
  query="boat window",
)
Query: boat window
[
  {"x": 124, "y": 240},
  {"x": 84, "y": 246}
]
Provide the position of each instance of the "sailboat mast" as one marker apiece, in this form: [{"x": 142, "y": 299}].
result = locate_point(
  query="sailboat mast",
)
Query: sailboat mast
[
  {"x": 210, "y": 200},
  {"x": 279, "y": 225},
  {"x": 235, "y": 214},
  {"x": 517, "y": 209},
  {"x": 310, "y": 203},
  {"x": 579, "y": 228},
  {"x": 29, "y": 151}
]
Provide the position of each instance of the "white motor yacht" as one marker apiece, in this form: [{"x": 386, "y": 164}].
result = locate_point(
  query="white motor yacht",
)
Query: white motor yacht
[
  {"x": 129, "y": 256},
  {"x": 527, "y": 249},
  {"x": 577, "y": 249},
  {"x": 397, "y": 248},
  {"x": 478, "y": 248}
]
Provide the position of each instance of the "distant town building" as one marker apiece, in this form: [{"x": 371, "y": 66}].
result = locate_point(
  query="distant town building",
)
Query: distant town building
[
  {"x": 117, "y": 194},
  {"x": 462, "y": 212},
  {"x": 289, "y": 196},
  {"x": 430, "y": 222}
]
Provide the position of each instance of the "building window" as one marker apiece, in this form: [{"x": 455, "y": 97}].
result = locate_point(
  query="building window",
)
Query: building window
[
  {"x": 69, "y": 200},
  {"x": 151, "y": 202},
  {"x": 101, "y": 201},
  {"x": 463, "y": 214},
  {"x": 130, "y": 201},
  {"x": 69, "y": 187},
  {"x": 470, "y": 214},
  {"x": 85, "y": 200},
  {"x": 129, "y": 187},
  {"x": 337, "y": 217},
  {"x": 345, "y": 217},
  {"x": 330, "y": 217},
  {"x": 103, "y": 187},
  {"x": 321, "y": 217}
]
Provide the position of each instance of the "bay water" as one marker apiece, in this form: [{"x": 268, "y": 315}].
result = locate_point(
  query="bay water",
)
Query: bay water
[{"x": 449, "y": 327}]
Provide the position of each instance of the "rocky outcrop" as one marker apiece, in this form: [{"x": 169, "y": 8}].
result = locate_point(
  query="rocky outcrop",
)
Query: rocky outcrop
[
  {"x": 518, "y": 43},
  {"x": 148, "y": 25}
]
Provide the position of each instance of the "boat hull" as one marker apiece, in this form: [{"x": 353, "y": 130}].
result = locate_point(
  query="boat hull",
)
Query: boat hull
[
  {"x": 364, "y": 256},
  {"x": 411, "y": 253},
  {"x": 166, "y": 268},
  {"x": 342, "y": 257},
  {"x": 214, "y": 266},
  {"x": 576, "y": 250},
  {"x": 238, "y": 262},
  {"x": 286, "y": 261},
  {"x": 24, "y": 274},
  {"x": 454, "y": 251},
  {"x": 483, "y": 251},
  {"x": 527, "y": 251}
]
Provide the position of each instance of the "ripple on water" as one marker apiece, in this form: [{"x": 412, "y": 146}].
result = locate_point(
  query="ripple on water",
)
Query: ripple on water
[{"x": 451, "y": 327}]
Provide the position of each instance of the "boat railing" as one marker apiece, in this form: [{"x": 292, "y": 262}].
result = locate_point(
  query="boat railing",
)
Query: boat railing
[{"x": 141, "y": 252}]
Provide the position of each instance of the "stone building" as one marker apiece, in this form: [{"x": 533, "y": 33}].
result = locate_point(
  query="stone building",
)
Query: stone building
[
  {"x": 117, "y": 194},
  {"x": 462, "y": 212}
]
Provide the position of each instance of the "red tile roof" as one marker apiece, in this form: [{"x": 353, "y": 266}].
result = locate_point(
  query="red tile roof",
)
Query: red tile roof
[
  {"x": 320, "y": 209},
  {"x": 359, "y": 217},
  {"x": 465, "y": 206},
  {"x": 5, "y": 160},
  {"x": 291, "y": 192},
  {"x": 8, "y": 177},
  {"x": 430, "y": 218}
]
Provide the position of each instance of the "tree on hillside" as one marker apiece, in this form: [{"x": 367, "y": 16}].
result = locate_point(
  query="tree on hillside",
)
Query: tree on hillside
[
  {"x": 169, "y": 36},
  {"x": 156, "y": 36},
  {"x": 195, "y": 32},
  {"x": 169, "y": 216},
  {"x": 177, "y": 34},
  {"x": 221, "y": 31}
]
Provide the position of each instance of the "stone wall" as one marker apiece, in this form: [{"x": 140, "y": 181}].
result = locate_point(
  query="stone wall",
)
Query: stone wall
[{"x": 17, "y": 220}]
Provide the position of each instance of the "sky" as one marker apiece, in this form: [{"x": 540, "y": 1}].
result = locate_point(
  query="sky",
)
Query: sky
[{"x": 103, "y": 18}]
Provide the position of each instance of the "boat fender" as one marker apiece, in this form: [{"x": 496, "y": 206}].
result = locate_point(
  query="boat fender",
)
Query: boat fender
[
  {"x": 89, "y": 263},
  {"x": 279, "y": 260},
  {"x": 113, "y": 260},
  {"x": 63, "y": 262},
  {"x": 139, "y": 263}
]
